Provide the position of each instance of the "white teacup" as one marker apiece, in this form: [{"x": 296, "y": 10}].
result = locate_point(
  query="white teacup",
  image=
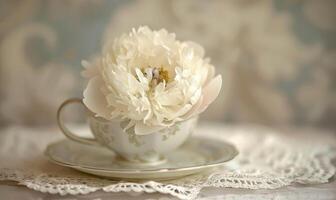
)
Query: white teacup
[{"x": 143, "y": 149}]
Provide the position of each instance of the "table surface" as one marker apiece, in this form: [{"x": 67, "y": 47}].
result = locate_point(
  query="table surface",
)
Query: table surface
[
  {"x": 9, "y": 190},
  {"x": 12, "y": 191}
]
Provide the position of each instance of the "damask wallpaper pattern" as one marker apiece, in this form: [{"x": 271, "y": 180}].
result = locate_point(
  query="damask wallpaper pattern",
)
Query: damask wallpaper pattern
[{"x": 278, "y": 58}]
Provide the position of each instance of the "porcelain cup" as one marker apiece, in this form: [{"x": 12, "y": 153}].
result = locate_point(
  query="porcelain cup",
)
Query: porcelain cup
[{"x": 140, "y": 149}]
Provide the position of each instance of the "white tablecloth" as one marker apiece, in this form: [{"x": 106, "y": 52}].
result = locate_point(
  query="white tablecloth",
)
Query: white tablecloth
[
  {"x": 313, "y": 192},
  {"x": 10, "y": 190}
]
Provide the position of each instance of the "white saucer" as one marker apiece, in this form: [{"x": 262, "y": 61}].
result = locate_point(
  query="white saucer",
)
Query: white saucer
[{"x": 195, "y": 155}]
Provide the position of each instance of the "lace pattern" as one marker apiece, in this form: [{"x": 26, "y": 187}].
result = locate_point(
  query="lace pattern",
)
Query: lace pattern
[{"x": 267, "y": 160}]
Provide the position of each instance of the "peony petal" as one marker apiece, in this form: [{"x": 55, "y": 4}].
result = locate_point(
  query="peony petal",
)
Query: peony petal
[
  {"x": 210, "y": 92},
  {"x": 194, "y": 110},
  {"x": 91, "y": 69},
  {"x": 173, "y": 97},
  {"x": 141, "y": 76},
  {"x": 94, "y": 98},
  {"x": 182, "y": 111},
  {"x": 142, "y": 129},
  {"x": 210, "y": 74},
  {"x": 198, "y": 49}
]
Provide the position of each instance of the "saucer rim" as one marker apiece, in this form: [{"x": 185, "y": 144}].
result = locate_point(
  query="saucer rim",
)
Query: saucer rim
[{"x": 216, "y": 163}]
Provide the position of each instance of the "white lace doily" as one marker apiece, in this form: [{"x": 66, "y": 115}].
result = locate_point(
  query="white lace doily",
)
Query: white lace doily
[{"x": 267, "y": 160}]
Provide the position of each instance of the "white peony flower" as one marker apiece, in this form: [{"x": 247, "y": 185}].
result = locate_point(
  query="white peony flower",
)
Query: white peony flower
[{"x": 151, "y": 80}]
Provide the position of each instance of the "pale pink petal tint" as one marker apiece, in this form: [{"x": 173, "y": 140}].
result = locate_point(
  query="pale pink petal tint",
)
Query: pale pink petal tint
[
  {"x": 94, "y": 99},
  {"x": 211, "y": 92}
]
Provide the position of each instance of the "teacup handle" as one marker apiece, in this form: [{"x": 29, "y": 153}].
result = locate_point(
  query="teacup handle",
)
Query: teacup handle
[{"x": 65, "y": 130}]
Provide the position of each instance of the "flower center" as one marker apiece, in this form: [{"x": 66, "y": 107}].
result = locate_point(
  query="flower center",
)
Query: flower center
[{"x": 156, "y": 75}]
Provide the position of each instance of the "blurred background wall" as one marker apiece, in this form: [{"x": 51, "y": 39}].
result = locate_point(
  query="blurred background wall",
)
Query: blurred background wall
[{"x": 277, "y": 58}]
